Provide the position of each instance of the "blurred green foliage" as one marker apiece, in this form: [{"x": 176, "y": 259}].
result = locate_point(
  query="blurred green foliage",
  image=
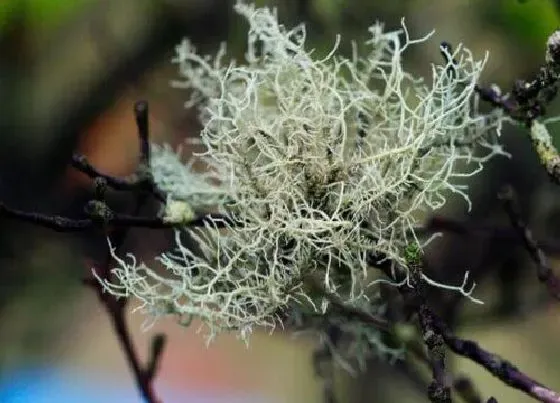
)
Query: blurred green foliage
[
  {"x": 41, "y": 14},
  {"x": 529, "y": 21}
]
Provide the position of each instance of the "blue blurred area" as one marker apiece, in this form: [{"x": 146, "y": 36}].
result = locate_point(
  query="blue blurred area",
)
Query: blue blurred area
[{"x": 50, "y": 385}]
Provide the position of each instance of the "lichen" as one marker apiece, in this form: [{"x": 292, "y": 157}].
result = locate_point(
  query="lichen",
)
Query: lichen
[{"x": 320, "y": 161}]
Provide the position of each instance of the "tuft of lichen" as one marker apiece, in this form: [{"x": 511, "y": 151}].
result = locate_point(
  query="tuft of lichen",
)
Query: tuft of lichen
[{"x": 321, "y": 161}]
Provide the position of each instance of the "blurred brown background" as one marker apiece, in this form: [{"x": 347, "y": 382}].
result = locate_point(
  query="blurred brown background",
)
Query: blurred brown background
[{"x": 70, "y": 72}]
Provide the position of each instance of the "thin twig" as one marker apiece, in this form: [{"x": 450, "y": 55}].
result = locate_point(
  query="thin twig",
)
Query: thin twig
[
  {"x": 108, "y": 219},
  {"x": 462, "y": 385},
  {"x": 116, "y": 307},
  {"x": 438, "y": 390},
  {"x": 158, "y": 345},
  {"x": 544, "y": 270},
  {"x": 129, "y": 183},
  {"x": 496, "y": 365}
]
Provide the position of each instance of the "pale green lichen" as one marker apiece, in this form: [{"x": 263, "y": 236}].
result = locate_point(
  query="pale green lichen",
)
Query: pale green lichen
[
  {"x": 545, "y": 149},
  {"x": 179, "y": 180},
  {"x": 321, "y": 160}
]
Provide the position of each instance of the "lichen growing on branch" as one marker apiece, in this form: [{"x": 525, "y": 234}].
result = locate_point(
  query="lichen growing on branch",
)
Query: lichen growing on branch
[{"x": 321, "y": 161}]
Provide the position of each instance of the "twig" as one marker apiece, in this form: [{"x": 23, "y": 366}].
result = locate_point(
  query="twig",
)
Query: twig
[
  {"x": 415, "y": 294},
  {"x": 117, "y": 314},
  {"x": 116, "y": 307},
  {"x": 141, "y": 115},
  {"x": 100, "y": 213},
  {"x": 544, "y": 270},
  {"x": 462, "y": 385},
  {"x": 130, "y": 183},
  {"x": 496, "y": 365},
  {"x": 528, "y": 99},
  {"x": 158, "y": 345},
  {"x": 100, "y": 216}
]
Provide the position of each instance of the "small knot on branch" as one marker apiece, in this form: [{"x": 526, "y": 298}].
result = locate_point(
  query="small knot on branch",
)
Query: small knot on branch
[{"x": 99, "y": 212}]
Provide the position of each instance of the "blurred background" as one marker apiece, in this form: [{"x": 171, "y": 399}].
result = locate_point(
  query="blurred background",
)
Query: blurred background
[{"x": 70, "y": 72}]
